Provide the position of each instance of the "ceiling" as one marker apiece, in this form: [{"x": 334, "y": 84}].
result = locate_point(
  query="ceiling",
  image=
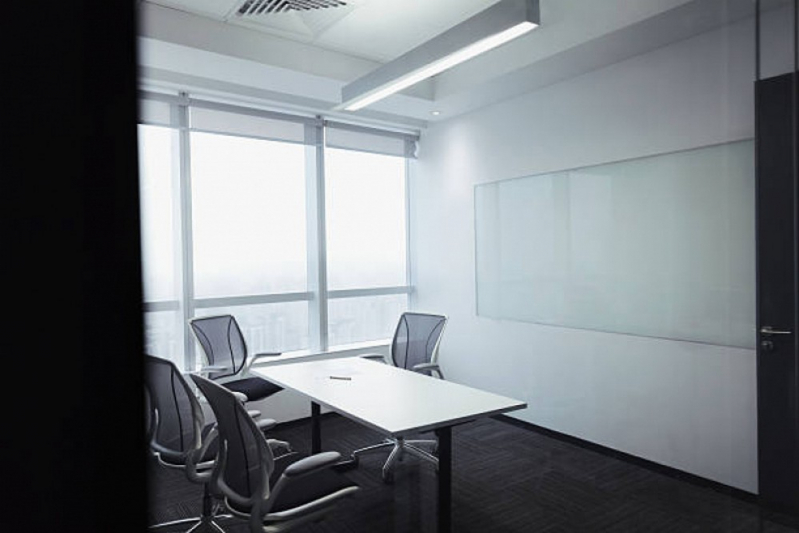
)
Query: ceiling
[
  {"x": 379, "y": 30},
  {"x": 302, "y": 58}
]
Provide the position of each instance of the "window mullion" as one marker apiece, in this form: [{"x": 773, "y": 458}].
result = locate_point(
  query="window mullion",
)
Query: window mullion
[
  {"x": 317, "y": 254},
  {"x": 185, "y": 229},
  {"x": 409, "y": 274}
]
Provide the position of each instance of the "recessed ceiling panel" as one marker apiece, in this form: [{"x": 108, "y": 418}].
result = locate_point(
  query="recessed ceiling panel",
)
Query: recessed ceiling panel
[
  {"x": 254, "y": 8},
  {"x": 380, "y": 30},
  {"x": 305, "y": 20}
]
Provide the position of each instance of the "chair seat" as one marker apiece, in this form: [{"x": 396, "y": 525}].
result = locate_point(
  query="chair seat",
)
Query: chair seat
[
  {"x": 303, "y": 490},
  {"x": 254, "y": 388}
]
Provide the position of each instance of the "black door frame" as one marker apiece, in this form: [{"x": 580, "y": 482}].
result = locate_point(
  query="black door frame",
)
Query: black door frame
[{"x": 777, "y": 215}]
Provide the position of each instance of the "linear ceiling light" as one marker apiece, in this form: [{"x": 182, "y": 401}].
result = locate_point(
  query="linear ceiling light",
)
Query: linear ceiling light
[{"x": 497, "y": 25}]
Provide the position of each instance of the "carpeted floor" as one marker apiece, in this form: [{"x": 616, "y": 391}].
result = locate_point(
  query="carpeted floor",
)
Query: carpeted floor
[{"x": 506, "y": 479}]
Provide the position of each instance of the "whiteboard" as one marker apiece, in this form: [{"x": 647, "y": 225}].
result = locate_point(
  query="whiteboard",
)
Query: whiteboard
[{"x": 660, "y": 246}]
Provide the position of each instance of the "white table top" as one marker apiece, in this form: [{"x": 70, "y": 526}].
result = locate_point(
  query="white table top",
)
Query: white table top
[{"x": 385, "y": 398}]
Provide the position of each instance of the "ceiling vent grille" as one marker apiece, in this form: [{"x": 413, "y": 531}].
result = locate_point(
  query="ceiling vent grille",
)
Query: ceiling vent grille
[{"x": 262, "y": 7}]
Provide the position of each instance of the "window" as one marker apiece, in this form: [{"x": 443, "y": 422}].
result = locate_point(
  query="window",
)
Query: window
[
  {"x": 238, "y": 217},
  {"x": 365, "y": 210},
  {"x": 248, "y": 216},
  {"x": 366, "y": 318},
  {"x": 160, "y": 241},
  {"x": 366, "y": 244}
]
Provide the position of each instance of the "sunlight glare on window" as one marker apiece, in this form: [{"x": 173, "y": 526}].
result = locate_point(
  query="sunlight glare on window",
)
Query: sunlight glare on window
[
  {"x": 248, "y": 216},
  {"x": 365, "y": 207}
]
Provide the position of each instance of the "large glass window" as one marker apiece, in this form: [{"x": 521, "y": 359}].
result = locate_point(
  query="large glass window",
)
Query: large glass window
[
  {"x": 158, "y": 193},
  {"x": 248, "y": 216},
  {"x": 232, "y": 224},
  {"x": 157, "y": 187},
  {"x": 365, "y": 208},
  {"x": 366, "y": 318},
  {"x": 366, "y": 244}
]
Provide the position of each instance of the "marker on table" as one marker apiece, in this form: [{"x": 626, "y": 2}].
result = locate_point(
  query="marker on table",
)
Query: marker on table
[{"x": 345, "y": 378}]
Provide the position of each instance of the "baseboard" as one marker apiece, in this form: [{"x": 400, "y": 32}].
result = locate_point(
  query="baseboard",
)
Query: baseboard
[{"x": 676, "y": 473}]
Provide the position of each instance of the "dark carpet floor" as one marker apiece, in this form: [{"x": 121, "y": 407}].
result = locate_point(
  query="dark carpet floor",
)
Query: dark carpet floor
[{"x": 506, "y": 479}]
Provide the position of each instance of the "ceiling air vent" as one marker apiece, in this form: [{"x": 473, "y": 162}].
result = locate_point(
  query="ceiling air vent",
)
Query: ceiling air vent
[{"x": 261, "y": 7}]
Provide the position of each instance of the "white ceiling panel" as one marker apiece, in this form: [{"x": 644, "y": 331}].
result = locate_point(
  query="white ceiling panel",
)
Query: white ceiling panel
[
  {"x": 379, "y": 30},
  {"x": 385, "y": 29},
  {"x": 217, "y": 9},
  {"x": 328, "y": 48}
]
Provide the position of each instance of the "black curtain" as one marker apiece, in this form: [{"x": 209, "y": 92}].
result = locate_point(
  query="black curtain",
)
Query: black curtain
[{"x": 72, "y": 410}]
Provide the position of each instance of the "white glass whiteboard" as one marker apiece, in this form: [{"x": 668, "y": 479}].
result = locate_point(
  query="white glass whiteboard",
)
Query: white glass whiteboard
[{"x": 661, "y": 246}]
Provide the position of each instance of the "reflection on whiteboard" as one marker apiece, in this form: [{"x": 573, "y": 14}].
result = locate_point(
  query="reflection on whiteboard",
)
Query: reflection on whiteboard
[{"x": 660, "y": 246}]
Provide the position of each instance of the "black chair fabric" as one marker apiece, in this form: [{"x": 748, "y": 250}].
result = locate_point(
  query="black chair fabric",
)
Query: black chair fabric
[
  {"x": 178, "y": 435},
  {"x": 253, "y": 387},
  {"x": 224, "y": 345},
  {"x": 249, "y": 471},
  {"x": 304, "y": 490},
  {"x": 177, "y": 426}
]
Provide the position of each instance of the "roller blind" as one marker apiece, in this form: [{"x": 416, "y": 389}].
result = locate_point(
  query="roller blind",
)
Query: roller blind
[
  {"x": 249, "y": 124},
  {"x": 353, "y": 137},
  {"x": 217, "y": 117},
  {"x": 154, "y": 112}
]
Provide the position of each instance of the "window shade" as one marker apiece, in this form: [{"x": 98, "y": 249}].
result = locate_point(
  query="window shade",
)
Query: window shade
[
  {"x": 154, "y": 112},
  {"x": 351, "y": 137},
  {"x": 248, "y": 125}
]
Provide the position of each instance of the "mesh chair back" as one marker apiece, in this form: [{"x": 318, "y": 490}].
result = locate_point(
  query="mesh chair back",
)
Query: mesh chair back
[
  {"x": 175, "y": 417},
  {"x": 248, "y": 460},
  {"x": 416, "y": 339},
  {"x": 222, "y": 343}
]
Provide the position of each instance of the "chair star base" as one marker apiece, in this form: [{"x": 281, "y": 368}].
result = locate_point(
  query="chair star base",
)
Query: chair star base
[
  {"x": 207, "y": 521},
  {"x": 201, "y": 524},
  {"x": 399, "y": 447}
]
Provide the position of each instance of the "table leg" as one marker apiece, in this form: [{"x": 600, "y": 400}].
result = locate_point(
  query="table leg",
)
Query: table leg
[
  {"x": 316, "y": 428},
  {"x": 316, "y": 438},
  {"x": 444, "y": 479}
]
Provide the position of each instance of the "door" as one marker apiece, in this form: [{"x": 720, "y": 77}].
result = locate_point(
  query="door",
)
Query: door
[{"x": 777, "y": 353}]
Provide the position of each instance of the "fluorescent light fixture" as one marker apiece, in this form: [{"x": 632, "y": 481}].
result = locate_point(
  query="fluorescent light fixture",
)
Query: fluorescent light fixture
[{"x": 493, "y": 27}]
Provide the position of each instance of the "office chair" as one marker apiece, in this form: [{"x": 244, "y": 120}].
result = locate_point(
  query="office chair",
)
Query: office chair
[
  {"x": 228, "y": 361},
  {"x": 178, "y": 436},
  {"x": 414, "y": 347},
  {"x": 273, "y": 494}
]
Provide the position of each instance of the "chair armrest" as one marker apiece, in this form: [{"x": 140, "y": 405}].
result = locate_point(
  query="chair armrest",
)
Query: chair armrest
[
  {"x": 196, "y": 470},
  {"x": 280, "y": 448},
  {"x": 252, "y": 358},
  {"x": 240, "y": 396},
  {"x": 214, "y": 368},
  {"x": 266, "y": 423},
  {"x": 312, "y": 464},
  {"x": 209, "y": 369},
  {"x": 432, "y": 367},
  {"x": 374, "y": 357},
  {"x": 267, "y": 354},
  {"x": 308, "y": 466}
]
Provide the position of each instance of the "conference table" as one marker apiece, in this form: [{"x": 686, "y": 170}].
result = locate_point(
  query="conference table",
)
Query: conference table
[{"x": 391, "y": 401}]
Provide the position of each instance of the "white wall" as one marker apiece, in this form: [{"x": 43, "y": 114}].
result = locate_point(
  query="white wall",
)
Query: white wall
[{"x": 689, "y": 406}]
